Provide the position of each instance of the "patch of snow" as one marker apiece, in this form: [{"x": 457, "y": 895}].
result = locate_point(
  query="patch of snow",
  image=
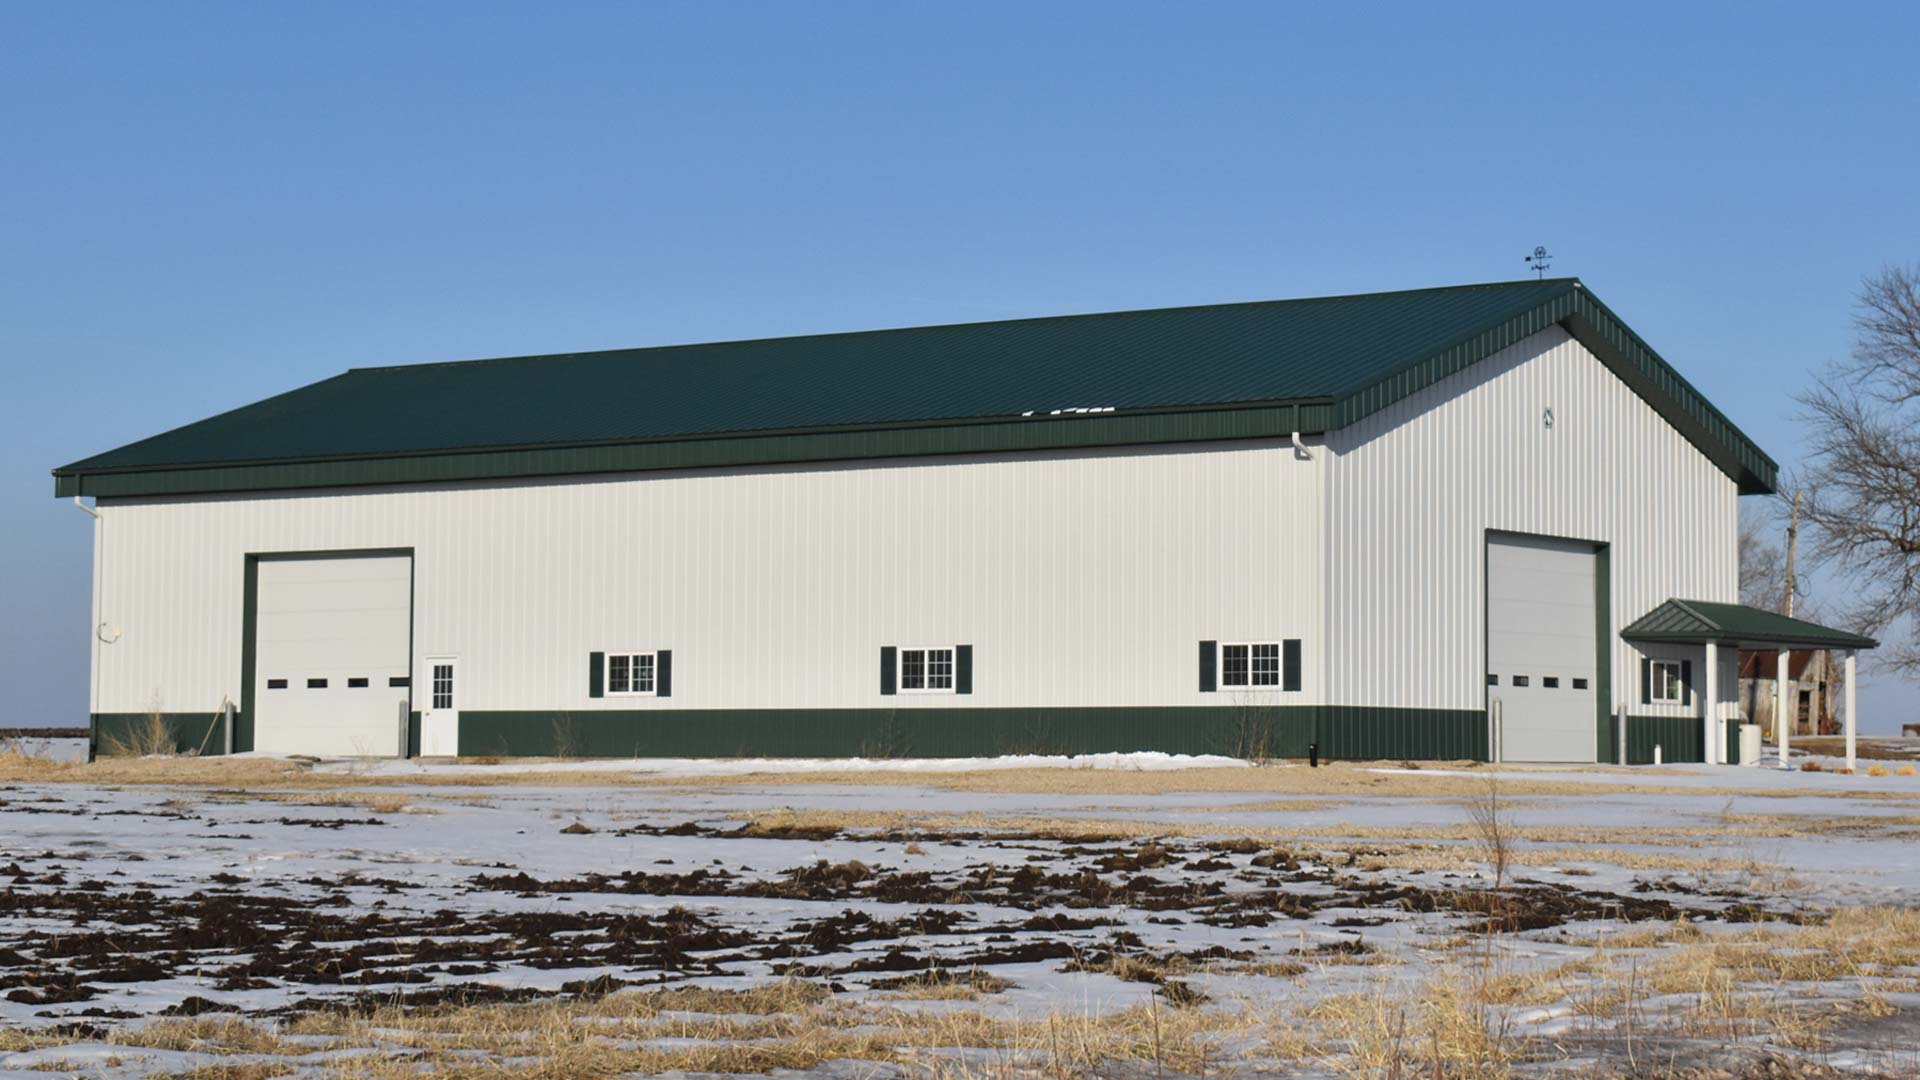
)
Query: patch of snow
[
  {"x": 52, "y": 749},
  {"x": 1140, "y": 761}
]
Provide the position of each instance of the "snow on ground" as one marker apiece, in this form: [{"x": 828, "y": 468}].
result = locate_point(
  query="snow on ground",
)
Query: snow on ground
[
  {"x": 51, "y": 749},
  {"x": 1143, "y": 761},
  {"x": 119, "y": 905}
]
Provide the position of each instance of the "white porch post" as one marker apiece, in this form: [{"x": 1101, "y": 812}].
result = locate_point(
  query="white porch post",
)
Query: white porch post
[
  {"x": 1851, "y": 727},
  {"x": 1782, "y": 724},
  {"x": 1716, "y": 739}
]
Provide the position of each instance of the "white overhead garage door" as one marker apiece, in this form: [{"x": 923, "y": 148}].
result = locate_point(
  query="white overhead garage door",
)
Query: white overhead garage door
[
  {"x": 1540, "y": 647},
  {"x": 331, "y": 654}
]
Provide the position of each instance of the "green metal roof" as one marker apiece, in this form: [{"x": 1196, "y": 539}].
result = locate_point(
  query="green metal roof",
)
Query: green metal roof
[
  {"x": 1694, "y": 621},
  {"x": 1172, "y": 374}
]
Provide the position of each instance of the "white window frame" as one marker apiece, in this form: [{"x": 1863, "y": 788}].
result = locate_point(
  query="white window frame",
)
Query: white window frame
[
  {"x": 953, "y": 669},
  {"x": 1657, "y": 693},
  {"x": 1279, "y": 665},
  {"x": 631, "y": 655}
]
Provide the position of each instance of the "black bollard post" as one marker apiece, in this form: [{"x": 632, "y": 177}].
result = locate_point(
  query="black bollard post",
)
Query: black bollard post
[{"x": 1313, "y": 755}]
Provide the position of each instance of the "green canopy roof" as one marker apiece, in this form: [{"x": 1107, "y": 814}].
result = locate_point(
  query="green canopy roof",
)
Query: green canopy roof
[
  {"x": 1223, "y": 371},
  {"x": 1694, "y": 621}
]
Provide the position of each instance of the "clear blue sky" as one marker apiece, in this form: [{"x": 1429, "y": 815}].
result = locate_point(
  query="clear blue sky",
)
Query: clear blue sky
[{"x": 201, "y": 205}]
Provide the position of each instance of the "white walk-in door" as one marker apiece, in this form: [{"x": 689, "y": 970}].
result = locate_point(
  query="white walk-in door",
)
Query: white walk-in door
[
  {"x": 331, "y": 654},
  {"x": 1541, "y": 653},
  {"x": 440, "y": 708}
]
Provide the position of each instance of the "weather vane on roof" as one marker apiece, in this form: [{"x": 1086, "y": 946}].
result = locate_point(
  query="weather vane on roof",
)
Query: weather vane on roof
[{"x": 1539, "y": 261}]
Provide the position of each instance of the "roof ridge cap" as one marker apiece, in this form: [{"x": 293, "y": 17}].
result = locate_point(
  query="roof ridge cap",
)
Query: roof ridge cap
[
  {"x": 1567, "y": 281},
  {"x": 1695, "y": 612}
]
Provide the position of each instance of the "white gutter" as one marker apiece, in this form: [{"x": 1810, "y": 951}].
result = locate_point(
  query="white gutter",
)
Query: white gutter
[{"x": 99, "y": 631}]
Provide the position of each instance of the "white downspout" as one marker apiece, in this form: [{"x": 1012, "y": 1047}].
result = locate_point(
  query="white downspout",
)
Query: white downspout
[
  {"x": 1300, "y": 448},
  {"x": 1782, "y": 724},
  {"x": 1852, "y": 727},
  {"x": 99, "y": 605},
  {"x": 99, "y": 555},
  {"x": 1715, "y": 723}
]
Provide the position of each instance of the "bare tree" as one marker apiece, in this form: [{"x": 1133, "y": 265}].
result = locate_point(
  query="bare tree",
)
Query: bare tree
[
  {"x": 1863, "y": 476},
  {"x": 1763, "y": 571}
]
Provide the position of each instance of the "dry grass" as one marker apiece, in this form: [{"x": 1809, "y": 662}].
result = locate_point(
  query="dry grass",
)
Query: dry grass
[
  {"x": 1437, "y": 847},
  {"x": 233, "y": 1070},
  {"x": 1443, "y": 1031},
  {"x": 1083, "y": 829},
  {"x": 1770, "y": 980},
  {"x": 778, "y": 1026},
  {"x": 1852, "y": 942},
  {"x": 551, "y": 1040},
  {"x": 15, "y": 1040},
  {"x": 942, "y": 985},
  {"x": 1333, "y": 779},
  {"x": 378, "y": 802},
  {"x": 151, "y": 737},
  {"x": 170, "y": 772},
  {"x": 1866, "y": 747},
  {"x": 1456, "y": 1024},
  {"x": 206, "y": 1034}
]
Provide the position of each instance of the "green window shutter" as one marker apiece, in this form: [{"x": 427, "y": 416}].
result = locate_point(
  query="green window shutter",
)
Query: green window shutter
[
  {"x": 1646, "y": 681},
  {"x": 963, "y": 669},
  {"x": 596, "y": 671},
  {"x": 1686, "y": 680},
  {"x": 1290, "y": 664},
  {"x": 663, "y": 673},
  {"x": 889, "y": 656},
  {"x": 1209, "y": 655}
]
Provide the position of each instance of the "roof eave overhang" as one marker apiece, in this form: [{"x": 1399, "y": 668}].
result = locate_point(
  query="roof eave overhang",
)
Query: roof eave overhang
[
  {"x": 1749, "y": 644},
  {"x": 1594, "y": 326},
  {"x": 1575, "y": 309},
  {"x": 1685, "y": 622},
  {"x": 1252, "y": 420}
]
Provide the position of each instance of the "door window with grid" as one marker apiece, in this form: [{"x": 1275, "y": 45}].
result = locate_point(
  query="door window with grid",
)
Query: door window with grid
[{"x": 442, "y": 686}]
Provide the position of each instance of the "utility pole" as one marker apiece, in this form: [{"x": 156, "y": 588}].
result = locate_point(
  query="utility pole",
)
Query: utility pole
[
  {"x": 1793, "y": 546},
  {"x": 1787, "y": 721}
]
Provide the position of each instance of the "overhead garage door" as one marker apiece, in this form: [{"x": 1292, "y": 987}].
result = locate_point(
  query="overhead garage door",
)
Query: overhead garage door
[
  {"x": 331, "y": 654},
  {"x": 1540, "y": 647}
]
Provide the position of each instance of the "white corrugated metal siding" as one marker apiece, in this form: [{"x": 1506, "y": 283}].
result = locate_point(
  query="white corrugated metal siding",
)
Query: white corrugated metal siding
[
  {"x": 1415, "y": 487},
  {"x": 1079, "y": 578}
]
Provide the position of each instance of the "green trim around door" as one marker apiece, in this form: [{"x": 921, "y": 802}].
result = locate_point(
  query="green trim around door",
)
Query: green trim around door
[
  {"x": 243, "y": 725},
  {"x": 1276, "y": 731},
  {"x": 1606, "y": 739},
  {"x": 249, "y": 625}
]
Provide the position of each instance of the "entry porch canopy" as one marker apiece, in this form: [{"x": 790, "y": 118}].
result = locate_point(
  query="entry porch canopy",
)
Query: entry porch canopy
[{"x": 1709, "y": 624}]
